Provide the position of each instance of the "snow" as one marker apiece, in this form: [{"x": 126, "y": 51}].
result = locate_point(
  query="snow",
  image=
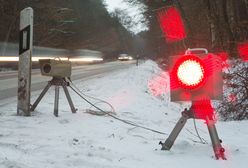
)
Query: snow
[{"x": 88, "y": 141}]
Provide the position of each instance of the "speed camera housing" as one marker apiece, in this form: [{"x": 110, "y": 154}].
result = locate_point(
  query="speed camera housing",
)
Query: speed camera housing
[{"x": 55, "y": 68}]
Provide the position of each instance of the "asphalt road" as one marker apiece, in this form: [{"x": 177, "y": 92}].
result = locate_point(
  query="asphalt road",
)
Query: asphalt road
[{"x": 8, "y": 80}]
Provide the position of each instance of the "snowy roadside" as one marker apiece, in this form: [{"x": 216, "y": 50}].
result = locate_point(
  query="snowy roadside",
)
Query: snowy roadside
[{"x": 84, "y": 140}]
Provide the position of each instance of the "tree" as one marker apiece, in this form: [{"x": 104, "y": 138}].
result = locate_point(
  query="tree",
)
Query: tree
[
  {"x": 219, "y": 25},
  {"x": 235, "y": 103},
  {"x": 74, "y": 24}
]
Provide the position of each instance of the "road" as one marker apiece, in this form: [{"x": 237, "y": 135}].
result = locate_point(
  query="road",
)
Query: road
[{"x": 8, "y": 80}]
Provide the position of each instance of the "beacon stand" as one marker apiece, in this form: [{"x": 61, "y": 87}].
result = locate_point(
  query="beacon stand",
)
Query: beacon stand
[{"x": 219, "y": 151}]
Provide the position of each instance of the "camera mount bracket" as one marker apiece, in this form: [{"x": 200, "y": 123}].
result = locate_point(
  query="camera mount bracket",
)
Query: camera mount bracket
[
  {"x": 57, "y": 82},
  {"x": 190, "y": 113}
]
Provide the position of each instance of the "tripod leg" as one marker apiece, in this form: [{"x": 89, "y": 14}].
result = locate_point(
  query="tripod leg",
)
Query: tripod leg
[
  {"x": 40, "y": 97},
  {"x": 69, "y": 99},
  {"x": 218, "y": 149},
  {"x": 56, "y": 102},
  {"x": 175, "y": 132}
]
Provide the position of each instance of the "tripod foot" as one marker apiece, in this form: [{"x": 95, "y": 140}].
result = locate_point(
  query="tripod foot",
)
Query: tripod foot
[
  {"x": 220, "y": 153},
  {"x": 165, "y": 145},
  {"x": 74, "y": 111}
]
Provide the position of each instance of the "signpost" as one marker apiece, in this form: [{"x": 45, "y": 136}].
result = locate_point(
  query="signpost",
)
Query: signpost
[{"x": 25, "y": 61}]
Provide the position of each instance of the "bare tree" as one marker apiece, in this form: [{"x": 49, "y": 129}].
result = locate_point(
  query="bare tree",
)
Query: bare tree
[{"x": 235, "y": 103}]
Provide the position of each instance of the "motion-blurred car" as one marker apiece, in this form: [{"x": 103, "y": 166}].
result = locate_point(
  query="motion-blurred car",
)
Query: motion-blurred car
[{"x": 124, "y": 57}]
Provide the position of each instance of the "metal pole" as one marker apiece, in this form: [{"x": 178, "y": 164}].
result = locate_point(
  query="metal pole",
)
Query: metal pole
[
  {"x": 175, "y": 132},
  {"x": 56, "y": 102},
  {"x": 40, "y": 97},
  {"x": 25, "y": 61},
  {"x": 69, "y": 99},
  {"x": 219, "y": 151}
]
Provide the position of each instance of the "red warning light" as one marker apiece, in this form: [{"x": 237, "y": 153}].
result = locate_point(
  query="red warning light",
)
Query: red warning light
[
  {"x": 203, "y": 109},
  {"x": 189, "y": 71},
  {"x": 158, "y": 85},
  {"x": 243, "y": 51},
  {"x": 223, "y": 59},
  {"x": 171, "y": 24},
  {"x": 194, "y": 76}
]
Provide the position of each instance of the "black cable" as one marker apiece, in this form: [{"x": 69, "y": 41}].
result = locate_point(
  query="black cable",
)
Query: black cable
[
  {"x": 124, "y": 121},
  {"x": 91, "y": 97},
  {"x": 196, "y": 130}
]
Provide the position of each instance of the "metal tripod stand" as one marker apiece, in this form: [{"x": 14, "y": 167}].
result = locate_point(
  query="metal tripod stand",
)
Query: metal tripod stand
[
  {"x": 187, "y": 114},
  {"x": 57, "y": 82}
]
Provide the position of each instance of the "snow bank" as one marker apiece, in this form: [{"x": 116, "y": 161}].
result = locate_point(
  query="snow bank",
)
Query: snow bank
[{"x": 84, "y": 140}]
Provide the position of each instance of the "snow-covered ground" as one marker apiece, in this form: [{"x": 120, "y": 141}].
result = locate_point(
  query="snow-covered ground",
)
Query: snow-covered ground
[{"x": 84, "y": 140}]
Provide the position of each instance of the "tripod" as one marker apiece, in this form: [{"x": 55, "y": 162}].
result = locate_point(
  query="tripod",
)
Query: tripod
[
  {"x": 187, "y": 114},
  {"x": 57, "y": 82}
]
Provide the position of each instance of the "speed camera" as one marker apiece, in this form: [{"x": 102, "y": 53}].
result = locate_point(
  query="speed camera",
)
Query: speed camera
[{"x": 55, "y": 68}]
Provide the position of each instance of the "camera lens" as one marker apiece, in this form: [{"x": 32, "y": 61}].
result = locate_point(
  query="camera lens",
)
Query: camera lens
[{"x": 47, "y": 68}]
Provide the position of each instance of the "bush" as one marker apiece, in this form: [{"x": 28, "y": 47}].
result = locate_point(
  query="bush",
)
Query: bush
[{"x": 235, "y": 103}]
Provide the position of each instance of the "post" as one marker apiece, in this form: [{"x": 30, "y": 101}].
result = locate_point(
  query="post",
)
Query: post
[{"x": 25, "y": 61}]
